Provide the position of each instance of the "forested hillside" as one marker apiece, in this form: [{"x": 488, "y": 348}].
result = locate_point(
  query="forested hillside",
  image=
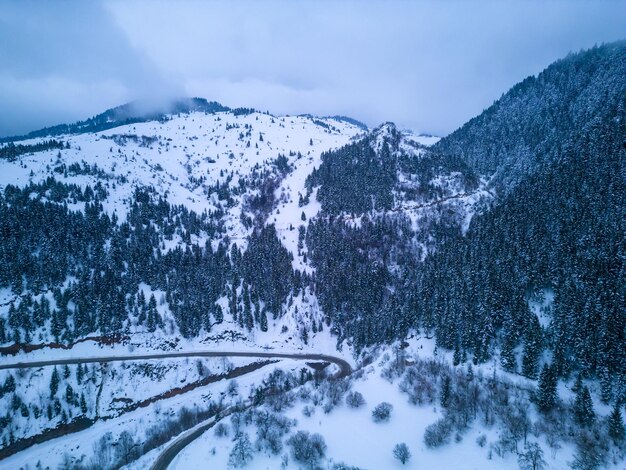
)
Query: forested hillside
[
  {"x": 94, "y": 267},
  {"x": 522, "y": 207},
  {"x": 534, "y": 122},
  {"x": 553, "y": 150},
  {"x": 387, "y": 202},
  {"x": 560, "y": 232},
  {"x": 149, "y": 230},
  {"x": 556, "y": 147}
]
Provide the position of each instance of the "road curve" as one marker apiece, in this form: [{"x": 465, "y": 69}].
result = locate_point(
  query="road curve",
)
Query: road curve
[
  {"x": 166, "y": 457},
  {"x": 344, "y": 367},
  {"x": 170, "y": 452}
]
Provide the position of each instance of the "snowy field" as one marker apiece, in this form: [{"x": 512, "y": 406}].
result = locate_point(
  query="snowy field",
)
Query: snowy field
[{"x": 353, "y": 438}]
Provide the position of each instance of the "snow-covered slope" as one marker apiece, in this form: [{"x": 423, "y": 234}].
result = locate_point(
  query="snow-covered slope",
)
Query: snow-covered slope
[
  {"x": 221, "y": 163},
  {"x": 184, "y": 156}
]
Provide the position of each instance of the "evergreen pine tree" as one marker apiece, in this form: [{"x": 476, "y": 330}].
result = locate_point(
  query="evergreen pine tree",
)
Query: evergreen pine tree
[
  {"x": 507, "y": 356},
  {"x": 606, "y": 388},
  {"x": 79, "y": 374},
  {"x": 616, "y": 424},
  {"x": 445, "y": 391},
  {"x": 83, "y": 403},
  {"x": 218, "y": 313},
  {"x": 263, "y": 320},
  {"x": 9, "y": 384},
  {"x": 54, "y": 382},
  {"x": 247, "y": 308},
  {"x": 546, "y": 391},
  {"x": 233, "y": 299},
  {"x": 578, "y": 384},
  {"x": 583, "y": 407},
  {"x": 152, "y": 314},
  {"x": 456, "y": 358},
  {"x": 532, "y": 349},
  {"x": 470, "y": 372},
  {"x": 13, "y": 316},
  {"x": 69, "y": 394}
]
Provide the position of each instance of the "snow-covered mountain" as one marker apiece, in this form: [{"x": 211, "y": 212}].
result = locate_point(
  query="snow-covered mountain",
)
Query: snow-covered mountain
[
  {"x": 242, "y": 170},
  {"x": 497, "y": 249},
  {"x": 184, "y": 158},
  {"x": 224, "y": 174}
]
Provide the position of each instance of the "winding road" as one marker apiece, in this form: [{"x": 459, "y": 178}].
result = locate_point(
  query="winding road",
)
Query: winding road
[
  {"x": 344, "y": 367},
  {"x": 170, "y": 452}
]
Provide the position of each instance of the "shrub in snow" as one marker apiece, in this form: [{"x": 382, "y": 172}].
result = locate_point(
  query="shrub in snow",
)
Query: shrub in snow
[
  {"x": 481, "y": 440},
  {"x": 401, "y": 452},
  {"x": 418, "y": 383},
  {"x": 270, "y": 430},
  {"x": 532, "y": 458},
  {"x": 233, "y": 388},
  {"x": 328, "y": 407},
  {"x": 343, "y": 466},
  {"x": 355, "y": 400},
  {"x": 236, "y": 422},
  {"x": 221, "y": 430},
  {"x": 304, "y": 393},
  {"x": 316, "y": 399},
  {"x": 241, "y": 453},
  {"x": 306, "y": 448},
  {"x": 271, "y": 440},
  {"x": 308, "y": 411},
  {"x": 438, "y": 433},
  {"x": 126, "y": 449},
  {"x": 382, "y": 412},
  {"x": 280, "y": 402},
  {"x": 334, "y": 391}
]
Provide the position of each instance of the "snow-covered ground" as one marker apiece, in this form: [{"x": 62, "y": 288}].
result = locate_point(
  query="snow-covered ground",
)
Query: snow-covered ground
[
  {"x": 350, "y": 434},
  {"x": 353, "y": 438}
]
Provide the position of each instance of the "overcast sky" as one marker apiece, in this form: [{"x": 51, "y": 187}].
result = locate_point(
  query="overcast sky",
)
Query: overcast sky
[{"x": 428, "y": 66}]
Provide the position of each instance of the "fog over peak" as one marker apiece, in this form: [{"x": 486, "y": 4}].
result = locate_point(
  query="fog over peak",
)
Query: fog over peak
[{"x": 428, "y": 66}]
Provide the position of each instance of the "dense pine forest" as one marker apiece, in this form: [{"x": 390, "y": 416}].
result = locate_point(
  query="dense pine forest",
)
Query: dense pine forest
[{"x": 57, "y": 237}]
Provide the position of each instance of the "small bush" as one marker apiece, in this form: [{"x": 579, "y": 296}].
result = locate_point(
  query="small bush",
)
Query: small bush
[
  {"x": 242, "y": 453},
  {"x": 402, "y": 453},
  {"x": 306, "y": 448},
  {"x": 355, "y": 400},
  {"x": 270, "y": 431},
  {"x": 438, "y": 433},
  {"x": 382, "y": 412},
  {"x": 221, "y": 430}
]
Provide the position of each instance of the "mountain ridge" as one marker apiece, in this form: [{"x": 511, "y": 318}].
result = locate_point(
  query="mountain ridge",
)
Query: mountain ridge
[{"x": 144, "y": 111}]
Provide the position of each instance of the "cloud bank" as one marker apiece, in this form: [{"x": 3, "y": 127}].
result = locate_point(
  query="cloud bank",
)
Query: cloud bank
[{"x": 428, "y": 66}]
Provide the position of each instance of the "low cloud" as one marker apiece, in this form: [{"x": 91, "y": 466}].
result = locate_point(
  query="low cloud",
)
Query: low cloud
[
  {"x": 428, "y": 66},
  {"x": 64, "y": 61}
]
